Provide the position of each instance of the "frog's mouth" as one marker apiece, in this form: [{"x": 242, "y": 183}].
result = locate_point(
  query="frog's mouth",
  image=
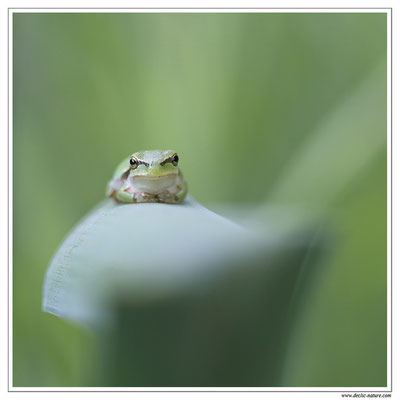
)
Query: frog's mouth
[{"x": 153, "y": 184}]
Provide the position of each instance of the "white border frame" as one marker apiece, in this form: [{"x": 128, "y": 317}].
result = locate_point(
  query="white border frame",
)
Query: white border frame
[{"x": 388, "y": 12}]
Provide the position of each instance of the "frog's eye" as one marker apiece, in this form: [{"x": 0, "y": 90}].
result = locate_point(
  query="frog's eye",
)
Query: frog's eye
[
  {"x": 134, "y": 163},
  {"x": 175, "y": 159}
]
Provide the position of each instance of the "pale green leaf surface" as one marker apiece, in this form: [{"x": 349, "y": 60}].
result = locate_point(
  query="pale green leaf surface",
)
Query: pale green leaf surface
[
  {"x": 131, "y": 271},
  {"x": 143, "y": 252}
]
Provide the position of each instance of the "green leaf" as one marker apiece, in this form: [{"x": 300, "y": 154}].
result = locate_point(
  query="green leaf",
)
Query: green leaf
[{"x": 181, "y": 295}]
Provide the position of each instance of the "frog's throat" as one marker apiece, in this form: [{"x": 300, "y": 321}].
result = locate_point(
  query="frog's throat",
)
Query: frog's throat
[{"x": 154, "y": 184}]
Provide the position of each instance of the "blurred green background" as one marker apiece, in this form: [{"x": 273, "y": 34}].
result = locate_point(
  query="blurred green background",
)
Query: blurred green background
[{"x": 263, "y": 109}]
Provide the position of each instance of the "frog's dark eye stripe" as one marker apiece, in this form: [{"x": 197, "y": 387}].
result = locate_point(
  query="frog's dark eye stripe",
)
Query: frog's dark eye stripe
[
  {"x": 173, "y": 159},
  {"x": 135, "y": 163}
]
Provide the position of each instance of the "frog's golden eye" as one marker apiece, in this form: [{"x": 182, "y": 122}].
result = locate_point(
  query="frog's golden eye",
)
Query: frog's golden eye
[
  {"x": 175, "y": 159},
  {"x": 134, "y": 163}
]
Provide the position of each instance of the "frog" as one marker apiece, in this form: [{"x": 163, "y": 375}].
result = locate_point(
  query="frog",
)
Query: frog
[{"x": 150, "y": 176}]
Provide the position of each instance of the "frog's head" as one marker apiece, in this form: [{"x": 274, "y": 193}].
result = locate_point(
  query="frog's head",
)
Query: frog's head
[{"x": 154, "y": 171}]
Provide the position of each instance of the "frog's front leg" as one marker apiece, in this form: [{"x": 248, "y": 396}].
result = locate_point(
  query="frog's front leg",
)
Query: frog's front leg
[
  {"x": 174, "y": 197},
  {"x": 182, "y": 193},
  {"x": 124, "y": 196}
]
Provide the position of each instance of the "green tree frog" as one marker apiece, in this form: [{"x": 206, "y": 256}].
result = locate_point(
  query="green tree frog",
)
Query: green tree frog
[{"x": 151, "y": 176}]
